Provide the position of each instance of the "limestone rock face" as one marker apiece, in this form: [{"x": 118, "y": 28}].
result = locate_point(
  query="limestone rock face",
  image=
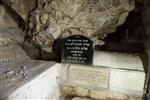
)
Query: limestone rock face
[
  {"x": 54, "y": 19},
  {"x": 6, "y": 21},
  {"x": 10, "y": 33},
  {"x": 13, "y": 18},
  {"x": 22, "y": 7}
]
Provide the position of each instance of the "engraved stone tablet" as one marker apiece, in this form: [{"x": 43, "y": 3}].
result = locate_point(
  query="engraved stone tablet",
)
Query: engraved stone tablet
[
  {"x": 91, "y": 76},
  {"x": 77, "y": 49}
]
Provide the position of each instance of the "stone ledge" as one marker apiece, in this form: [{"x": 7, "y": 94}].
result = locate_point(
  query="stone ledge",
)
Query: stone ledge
[{"x": 104, "y": 94}]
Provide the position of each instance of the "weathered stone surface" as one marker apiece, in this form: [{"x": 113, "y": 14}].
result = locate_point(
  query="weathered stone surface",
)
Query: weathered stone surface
[
  {"x": 84, "y": 98},
  {"x": 31, "y": 50},
  {"x": 54, "y": 19},
  {"x": 91, "y": 77},
  {"x": 103, "y": 82},
  {"x": 22, "y": 7},
  {"x": 105, "y": 95},
  {"x": 6, "y": 40},
  {"x": 5, "y": 19},
  {"x": 9, "y": 29},
  {"x": 79, "y": 98},
  {"x": 12, "y": 54},
  {"x": 118, "y": 60},
  {"x": 98, "y": 95},
  {"x": 98, "y": 77},
  {"x": 7, "y": 37}
]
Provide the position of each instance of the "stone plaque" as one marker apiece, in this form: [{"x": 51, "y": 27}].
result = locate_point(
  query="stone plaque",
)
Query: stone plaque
[
  {"x": 77, "y": 49},
  {"x": 89, "y": 76}
]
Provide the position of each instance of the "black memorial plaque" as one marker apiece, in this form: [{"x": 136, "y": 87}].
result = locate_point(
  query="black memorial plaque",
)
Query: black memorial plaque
[{"x": 77, "y": 49}]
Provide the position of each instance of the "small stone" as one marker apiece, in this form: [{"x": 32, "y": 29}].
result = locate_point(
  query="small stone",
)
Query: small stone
[
  {"x": 99, "y": 94},
  {"x": 10, "y": 32},
  {"x": 21, "y": 72},
  {"x": 81, "y": 91},
  {"x": 10, "y": 72},
  {"x": 24, "y": 75},
  {"x": 65, "y": 97},
  {"x": 107, "y": 94},
  {"x": 23, "y": 67},
  {"x": 66, "y": 89},
  {"x": 13, "y": 79}
]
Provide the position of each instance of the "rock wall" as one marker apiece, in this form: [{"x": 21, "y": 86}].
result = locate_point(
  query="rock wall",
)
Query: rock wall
[
  {"x": 13, "y": 20},
  {"x": 21, "y": 7},
  {"x": 10, "y": 33},
  {"x": 53, "y": 19},
  {"x": 47, "y": 20}
]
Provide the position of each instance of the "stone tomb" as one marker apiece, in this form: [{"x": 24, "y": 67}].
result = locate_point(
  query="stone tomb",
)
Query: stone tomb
[
  {"x": 77, "y": 49},
  {"x": 101, "y": 82},
  {"x": 113, "y": 75}
]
